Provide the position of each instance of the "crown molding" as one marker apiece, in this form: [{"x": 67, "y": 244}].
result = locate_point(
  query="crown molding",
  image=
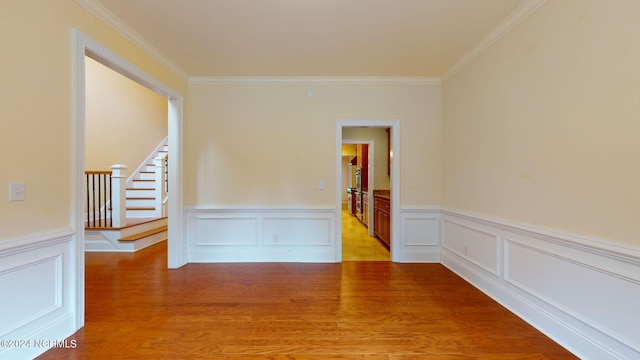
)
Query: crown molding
[
  {"x": 114, "y": 22},
  {"x": 313, "y": 80},
  {"x": 519, "y": 15}
]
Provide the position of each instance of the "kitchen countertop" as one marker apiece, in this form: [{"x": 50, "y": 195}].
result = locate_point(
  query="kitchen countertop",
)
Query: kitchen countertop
[{"x": 384, "y": 194}]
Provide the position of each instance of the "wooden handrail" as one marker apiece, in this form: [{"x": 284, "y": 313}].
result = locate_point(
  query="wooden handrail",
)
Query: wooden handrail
[{"x": 92, "y": 172}]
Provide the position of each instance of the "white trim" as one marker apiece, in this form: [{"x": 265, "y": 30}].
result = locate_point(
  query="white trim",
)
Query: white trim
[
  {"x": 114, "y": 22},
  {"x": 36, "y": 267},
  {"x": 34, "y": 241},
  {"x": 503, "y": 28},
  {"x": 311, "y": 80},
  {"x": 579, "y": 291},
  {"x": 420, "y": 234},
  {"x": 243, "y": 208},
  {"x": 236, "y": 234},
  {"x": 622, "y": 251},
  {"x": 149, "y": 160}
]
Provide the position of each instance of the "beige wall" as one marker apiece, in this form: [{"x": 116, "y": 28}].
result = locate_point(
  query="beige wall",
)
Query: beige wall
[
  {"x": 543, "y": 127},
  {"x": 36, "y": 88},
  {"x": 271, "y": 144},
  {"x": 124, "y": 120}
]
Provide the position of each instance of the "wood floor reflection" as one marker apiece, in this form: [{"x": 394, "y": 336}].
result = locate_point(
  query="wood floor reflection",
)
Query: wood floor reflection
[{"x": 357, "y": 245}]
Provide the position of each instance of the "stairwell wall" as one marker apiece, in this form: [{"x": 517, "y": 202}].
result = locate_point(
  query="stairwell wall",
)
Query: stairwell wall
[{"x": 124, "y": 120}]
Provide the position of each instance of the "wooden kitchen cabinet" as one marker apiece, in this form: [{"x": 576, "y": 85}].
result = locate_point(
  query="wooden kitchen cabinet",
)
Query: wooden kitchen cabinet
[
  {"x": 365, "y": 209},
  {"x": 382, "y": 219},
  {"x": 362, "y": 151}
]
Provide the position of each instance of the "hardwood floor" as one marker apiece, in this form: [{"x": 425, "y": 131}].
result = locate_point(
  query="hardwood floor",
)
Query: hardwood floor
[
  {"x": 138, "y": 309},
  {"x": 357, "y": 245}
]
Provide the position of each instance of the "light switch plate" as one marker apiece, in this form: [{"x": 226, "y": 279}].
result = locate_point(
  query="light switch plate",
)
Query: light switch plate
[{"x": 17, "y": 191}]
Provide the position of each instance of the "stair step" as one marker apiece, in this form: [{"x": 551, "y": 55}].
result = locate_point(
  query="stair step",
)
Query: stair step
[
  {"x": 144, "y": 234},
  {"x": 142, "y": 183},
  {"x": 141, "y": 208}
]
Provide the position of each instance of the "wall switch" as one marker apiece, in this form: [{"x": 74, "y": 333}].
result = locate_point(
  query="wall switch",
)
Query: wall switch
[{"x": 17, "y": 191}]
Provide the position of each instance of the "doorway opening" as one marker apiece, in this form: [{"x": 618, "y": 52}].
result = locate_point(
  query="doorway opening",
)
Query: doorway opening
[
  {"x": 376, "y": 162},
  {"x": 176, "y": 253},
  {"x": 360, "y": 166},
  {"x": 126, "y": 136}
]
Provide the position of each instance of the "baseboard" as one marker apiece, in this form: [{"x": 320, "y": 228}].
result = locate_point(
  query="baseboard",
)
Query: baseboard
[
  {"x": 580, "y": 292},
  {"x": 37, "y": 268}
]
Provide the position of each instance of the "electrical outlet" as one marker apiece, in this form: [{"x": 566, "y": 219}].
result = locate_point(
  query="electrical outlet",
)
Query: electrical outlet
[{"x": 17, "y": 191}]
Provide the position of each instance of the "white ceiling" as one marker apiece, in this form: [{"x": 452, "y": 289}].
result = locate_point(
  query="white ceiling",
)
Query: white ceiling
[{"x": 311, "y": 37}]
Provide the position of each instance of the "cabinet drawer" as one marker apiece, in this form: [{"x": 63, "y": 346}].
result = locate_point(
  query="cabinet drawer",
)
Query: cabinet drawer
[{"x": 383, "y": 204}]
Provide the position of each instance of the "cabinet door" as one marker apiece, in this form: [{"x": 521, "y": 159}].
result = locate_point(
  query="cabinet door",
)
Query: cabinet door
[
  {"x": 365, "y": 210},
  {"x": 386, "y": 227},
  {"x": 377, "y": 221}
]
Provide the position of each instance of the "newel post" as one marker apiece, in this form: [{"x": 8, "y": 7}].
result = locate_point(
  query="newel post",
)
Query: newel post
[
  {"x": 118, "y": 191},
  {"x": 160, "y": 192}
]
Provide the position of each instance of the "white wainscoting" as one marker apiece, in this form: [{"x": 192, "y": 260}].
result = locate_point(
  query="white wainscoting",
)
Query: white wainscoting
[
  {"x": 37, "y": 292},
  {"x": 232, "y": 234},
  {"x": 420, "y": 234},
  {"x": 579, "y": 291}
]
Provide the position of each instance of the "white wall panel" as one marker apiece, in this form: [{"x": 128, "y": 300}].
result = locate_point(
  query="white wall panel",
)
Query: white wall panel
[
  {"x": 30, "y": 290},
  {"x": 208, "y": 230},
  {"x": 420, "y": 234},
  {"x": 473, "y": 243},
  {"x": 37, "y": 284},
  {"x": 296, "y": 231},
  {"x": 579, "y": 291},
  {"x": 587, "y": 292},
  {"x": 258, "y": 235}
]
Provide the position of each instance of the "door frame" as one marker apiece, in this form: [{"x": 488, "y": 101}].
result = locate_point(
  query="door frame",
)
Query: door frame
[
  {"x": 83, "y": 46},
  {"x": 394, "y": 125}
]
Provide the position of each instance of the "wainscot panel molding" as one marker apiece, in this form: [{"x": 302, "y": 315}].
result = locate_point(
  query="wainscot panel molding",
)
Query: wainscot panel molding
[
  {"x": 37, "y": 303},
  {"x": 245, "y": 234},
  {"x": 420, "y": 234},
  {"x": 581, "y": 292}
]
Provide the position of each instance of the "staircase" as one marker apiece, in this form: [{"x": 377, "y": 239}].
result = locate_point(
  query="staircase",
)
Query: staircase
[
  {"x": 140, "y": 200},
  {"x": 146, "y": 224}
]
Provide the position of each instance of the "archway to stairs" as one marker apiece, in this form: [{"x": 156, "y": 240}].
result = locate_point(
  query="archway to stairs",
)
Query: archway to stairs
[
  {"x": 126, "y": 128},
  {"x": 85, "y": 46}
]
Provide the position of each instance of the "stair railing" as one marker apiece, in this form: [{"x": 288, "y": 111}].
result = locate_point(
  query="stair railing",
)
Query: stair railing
[
  {"x": 105, "y": 197},
  {"x": 99, "y": 184}
]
